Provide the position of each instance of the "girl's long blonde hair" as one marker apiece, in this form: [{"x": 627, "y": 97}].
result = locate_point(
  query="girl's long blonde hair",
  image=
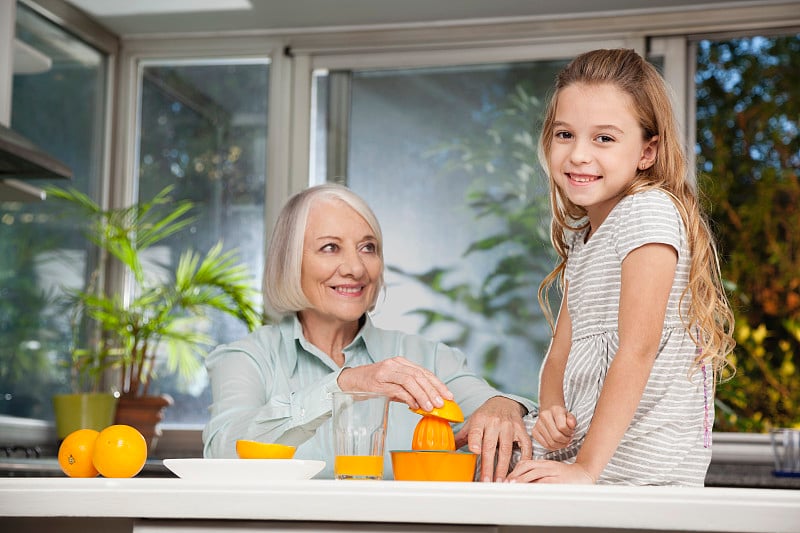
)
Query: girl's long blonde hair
[{"x": 709, "y": 317}]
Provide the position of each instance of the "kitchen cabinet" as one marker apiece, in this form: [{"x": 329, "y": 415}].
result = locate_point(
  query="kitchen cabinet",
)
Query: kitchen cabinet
[{"x": 170, "y": 504}]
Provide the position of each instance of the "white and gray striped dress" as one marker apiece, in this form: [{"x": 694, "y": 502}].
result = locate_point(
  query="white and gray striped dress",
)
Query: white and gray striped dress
[{"x": 668, "y": 440}]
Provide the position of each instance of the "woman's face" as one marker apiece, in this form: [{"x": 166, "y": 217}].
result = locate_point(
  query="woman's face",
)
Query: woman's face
[{"x": 341, "y": 265}]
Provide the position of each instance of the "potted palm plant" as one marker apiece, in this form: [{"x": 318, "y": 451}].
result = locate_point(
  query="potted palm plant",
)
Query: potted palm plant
[
  {"x": 163, "y": 314},
  {"x": 89, "y": 405}
]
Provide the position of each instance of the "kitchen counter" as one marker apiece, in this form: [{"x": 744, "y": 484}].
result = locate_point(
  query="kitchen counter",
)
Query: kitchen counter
[{"x": 165, "y": 504}]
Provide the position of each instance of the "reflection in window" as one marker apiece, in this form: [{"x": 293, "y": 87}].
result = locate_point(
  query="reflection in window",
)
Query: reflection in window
[
  {"x": 446, "y": 157},
  {"x": 60, "y": 107},
  {"x": 203, "y": 129}
]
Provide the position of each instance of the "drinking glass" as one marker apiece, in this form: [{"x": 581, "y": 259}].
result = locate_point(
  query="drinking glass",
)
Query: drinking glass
[
  {"x": 359, "y": 434},
  {"x": 786, "y": 451}
]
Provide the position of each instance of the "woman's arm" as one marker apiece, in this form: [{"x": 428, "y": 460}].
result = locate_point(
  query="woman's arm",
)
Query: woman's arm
[{"x": 251, "y": 400}]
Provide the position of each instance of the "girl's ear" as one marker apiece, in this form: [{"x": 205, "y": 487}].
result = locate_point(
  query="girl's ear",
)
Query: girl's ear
[{"x": 649, "y": 153}]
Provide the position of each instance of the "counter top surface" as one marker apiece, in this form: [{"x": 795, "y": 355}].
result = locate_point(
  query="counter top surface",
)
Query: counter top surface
[{"x": 657, "y": 508}]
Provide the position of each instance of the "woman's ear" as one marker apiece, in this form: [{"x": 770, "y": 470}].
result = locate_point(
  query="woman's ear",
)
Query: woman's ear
[{"x": 649, "y": 153}]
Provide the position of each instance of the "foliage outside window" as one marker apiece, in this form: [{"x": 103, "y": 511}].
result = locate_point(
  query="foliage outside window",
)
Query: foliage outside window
[{"x": 748, "y": 151}]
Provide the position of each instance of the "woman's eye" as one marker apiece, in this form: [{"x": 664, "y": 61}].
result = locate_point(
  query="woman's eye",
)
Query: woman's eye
[
  {"x": 369, "y": 247},
  {"x": 330, "y": 247}
]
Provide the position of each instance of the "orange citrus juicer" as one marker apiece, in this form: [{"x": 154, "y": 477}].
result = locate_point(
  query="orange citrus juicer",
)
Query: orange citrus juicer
[{"x": 433, "y": 431}]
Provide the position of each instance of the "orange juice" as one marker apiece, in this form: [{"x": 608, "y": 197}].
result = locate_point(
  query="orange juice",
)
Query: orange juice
[{"x": 358, "y": 467}]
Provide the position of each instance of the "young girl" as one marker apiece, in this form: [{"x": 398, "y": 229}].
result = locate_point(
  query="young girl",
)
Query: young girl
[{"x": 626, "y": 392}]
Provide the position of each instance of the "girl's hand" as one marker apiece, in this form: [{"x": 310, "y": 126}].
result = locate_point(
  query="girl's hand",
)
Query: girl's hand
[
  {"x": 554, "y": 427},
  {"x": 540, "y": 471},
  {"x": 399, "y": 379},
  {"x": 491, "y": 431}
]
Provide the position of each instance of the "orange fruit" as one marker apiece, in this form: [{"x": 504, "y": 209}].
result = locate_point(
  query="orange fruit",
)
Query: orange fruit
[
  {"x": 76, "y": 452},
  {"x": 120, "y": 451},
  {"x": 450, "y": 411},
  {"x": 251, "y": 449}
]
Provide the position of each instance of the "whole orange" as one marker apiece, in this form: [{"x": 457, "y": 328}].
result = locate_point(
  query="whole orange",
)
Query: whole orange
[
  {"x": 120, "y": 451},
  {"x": 76, "y": 452}
]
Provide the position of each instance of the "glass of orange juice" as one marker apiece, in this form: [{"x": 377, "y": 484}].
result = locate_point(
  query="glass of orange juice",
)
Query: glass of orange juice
[{"x": 359, "y": 434}]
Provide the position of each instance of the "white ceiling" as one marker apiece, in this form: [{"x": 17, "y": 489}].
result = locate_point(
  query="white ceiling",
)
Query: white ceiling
[{"x": 142, "y": 17}]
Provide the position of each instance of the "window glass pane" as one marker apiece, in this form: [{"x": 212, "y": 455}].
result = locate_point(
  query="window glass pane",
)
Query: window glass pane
[
  {"x": 203, "y": 129},
  {"x": 60, "y": 107},
  {"x": 748, "y": 152},
  {"x": 447, "y": 159}
]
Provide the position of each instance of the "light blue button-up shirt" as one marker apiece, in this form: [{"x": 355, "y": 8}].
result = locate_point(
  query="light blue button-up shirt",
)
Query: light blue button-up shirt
[{"x": 275, "y": 386}]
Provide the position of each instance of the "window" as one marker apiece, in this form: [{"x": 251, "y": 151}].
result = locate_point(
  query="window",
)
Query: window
[
  {"x": 203, "y": 129},
  {"x": 748, "y": 152},
  {"x": 60, "y": 106},
  {"x": 446, "y": 157}
]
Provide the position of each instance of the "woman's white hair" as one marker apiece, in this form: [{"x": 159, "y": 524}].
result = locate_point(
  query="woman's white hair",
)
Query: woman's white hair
[{"x": 283, "y": 292}]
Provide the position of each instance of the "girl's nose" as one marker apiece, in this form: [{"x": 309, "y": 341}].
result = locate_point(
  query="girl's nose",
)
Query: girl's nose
[{"x": 580, "y": 152}]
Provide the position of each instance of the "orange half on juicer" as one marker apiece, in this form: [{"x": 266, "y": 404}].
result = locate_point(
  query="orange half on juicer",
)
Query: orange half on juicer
[{"x": 433, "y": 431}]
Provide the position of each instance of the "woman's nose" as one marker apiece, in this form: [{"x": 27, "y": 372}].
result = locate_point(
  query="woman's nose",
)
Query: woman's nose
[{"x": 352, "y": 265}]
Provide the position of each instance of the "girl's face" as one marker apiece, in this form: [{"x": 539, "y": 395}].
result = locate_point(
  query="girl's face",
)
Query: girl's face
[
  {"x": 341, "y": 265},
  {"x": 597, "y": 147}
]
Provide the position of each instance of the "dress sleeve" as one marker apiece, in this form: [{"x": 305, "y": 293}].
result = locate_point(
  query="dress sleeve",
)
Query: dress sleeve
[
  {"x": 253, "y": 399},
  {"x": 649, "y": 217}
]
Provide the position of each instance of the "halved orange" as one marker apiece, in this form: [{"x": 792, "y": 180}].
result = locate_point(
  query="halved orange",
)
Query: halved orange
[
  {"x": 251, "y": 449},
  {"x": 450, "y": 411}
]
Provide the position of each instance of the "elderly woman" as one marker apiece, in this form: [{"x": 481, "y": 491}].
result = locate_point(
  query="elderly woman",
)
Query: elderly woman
[{"x": 324, "y": 273}]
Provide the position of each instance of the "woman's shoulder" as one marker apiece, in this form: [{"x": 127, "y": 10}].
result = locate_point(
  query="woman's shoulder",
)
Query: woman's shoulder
[
  {"x": 259, "y": 341},
  {"x": 385, "y": 343}
]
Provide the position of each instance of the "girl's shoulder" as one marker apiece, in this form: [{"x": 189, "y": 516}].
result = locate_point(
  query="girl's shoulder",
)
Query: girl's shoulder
[
  {"x": 646, "y": 217},
  {"x": 652, "y": 199}
]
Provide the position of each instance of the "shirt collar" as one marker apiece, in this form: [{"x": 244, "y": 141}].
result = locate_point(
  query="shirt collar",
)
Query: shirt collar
[{"x": 292, "y": 333}]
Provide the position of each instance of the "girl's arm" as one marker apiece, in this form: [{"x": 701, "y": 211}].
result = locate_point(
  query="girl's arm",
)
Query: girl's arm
[
  {"x": 647, "y": 276},
  {"x": 555, "y": 425}
]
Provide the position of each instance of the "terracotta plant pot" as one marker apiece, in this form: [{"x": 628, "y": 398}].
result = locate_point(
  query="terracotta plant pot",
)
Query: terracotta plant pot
[
  {"x": 145, "y": 414},
  {"x": 83, "y": 411}
]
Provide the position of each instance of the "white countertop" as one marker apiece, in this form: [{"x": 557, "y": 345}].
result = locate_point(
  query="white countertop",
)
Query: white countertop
[{"x": 660, "y": 508}]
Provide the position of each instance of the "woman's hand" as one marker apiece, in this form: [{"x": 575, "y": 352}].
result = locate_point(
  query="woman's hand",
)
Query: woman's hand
[
  {"x": 554, "y": 427},
  {"x": 541, "y": 471},
  {"x": 492, "y": 431},
  {"x": 400, "y": 379}
]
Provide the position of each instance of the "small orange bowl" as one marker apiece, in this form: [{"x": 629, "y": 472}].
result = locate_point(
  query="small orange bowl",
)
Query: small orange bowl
[{"x": 433, "y": 465}]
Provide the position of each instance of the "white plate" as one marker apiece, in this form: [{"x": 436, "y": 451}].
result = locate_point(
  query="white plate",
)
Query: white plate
[{"x": 243, "y": 470}]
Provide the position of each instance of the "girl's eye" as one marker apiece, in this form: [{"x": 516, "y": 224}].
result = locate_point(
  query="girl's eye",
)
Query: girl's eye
[
  {"x": 605, "y": 139},
  {"x": 563, "y": 135}
]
